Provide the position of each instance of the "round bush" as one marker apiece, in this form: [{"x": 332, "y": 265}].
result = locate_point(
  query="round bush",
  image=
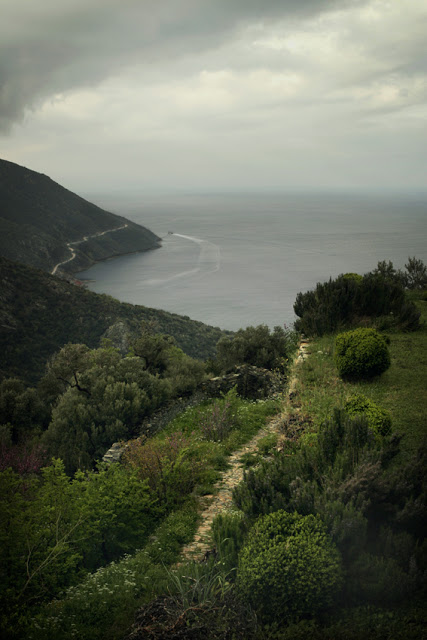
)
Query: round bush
[
  {"x": 289, "y": 566},
  {"x": 379, "y": 420},
  {"x": 361, "y": 353}
]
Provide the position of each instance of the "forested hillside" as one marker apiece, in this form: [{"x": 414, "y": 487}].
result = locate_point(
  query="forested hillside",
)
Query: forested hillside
[
  {"x": 39, "y": 313},
  {"x": 38, "y": 217}
]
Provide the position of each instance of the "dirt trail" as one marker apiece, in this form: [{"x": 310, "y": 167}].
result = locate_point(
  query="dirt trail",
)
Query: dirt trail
[{"x": 222, "y": 500}]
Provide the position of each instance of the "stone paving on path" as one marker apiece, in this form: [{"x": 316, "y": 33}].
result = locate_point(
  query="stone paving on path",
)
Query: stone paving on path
[{"x": 222, "y": 500}]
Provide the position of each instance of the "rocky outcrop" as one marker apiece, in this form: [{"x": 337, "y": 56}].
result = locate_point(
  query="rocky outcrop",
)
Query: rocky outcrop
[
  {"x": 120, "y": 336},
  {"x": 251, "y": 382}
]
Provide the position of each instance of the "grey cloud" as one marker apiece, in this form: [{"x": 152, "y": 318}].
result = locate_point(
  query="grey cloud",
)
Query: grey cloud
[{"x": 49, "y": 47}]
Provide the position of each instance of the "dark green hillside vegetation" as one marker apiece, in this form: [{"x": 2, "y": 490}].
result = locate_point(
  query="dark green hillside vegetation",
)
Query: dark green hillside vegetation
[
  {"x": 61, "y": 529},
  {"x": 38, "y": 217},
  {"x": 40, "y": 313},
  {"x": 89, "y": 399},
  {"x": 326, "y": 536},
  {"x": 257, "y": 346},
  {"x": 99, "y": 397},
  {"x": 377, "y": 299},
  {"x": 352, "y": 463}
]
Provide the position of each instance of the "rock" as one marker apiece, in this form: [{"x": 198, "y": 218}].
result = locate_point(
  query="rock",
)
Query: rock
[{"x": 120, "y": 336}]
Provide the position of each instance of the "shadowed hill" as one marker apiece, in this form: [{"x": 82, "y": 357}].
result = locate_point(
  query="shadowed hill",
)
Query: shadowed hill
[
  {"x": 39, "y": 313},
  {"x": 38, "y": 218}
]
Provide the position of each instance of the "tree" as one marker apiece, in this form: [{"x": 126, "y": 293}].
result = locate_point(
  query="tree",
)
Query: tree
[
  {"x": 386, "y": 271},
  {"x": 256, "y": 346},
  {"x": 21, "y": 408},
  {"x": 54, "y": 527},
  {"x": 416, "y": 274}
]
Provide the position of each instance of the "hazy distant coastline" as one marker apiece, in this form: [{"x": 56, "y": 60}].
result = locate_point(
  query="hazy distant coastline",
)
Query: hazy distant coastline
[{"x": 272, "y": 246}]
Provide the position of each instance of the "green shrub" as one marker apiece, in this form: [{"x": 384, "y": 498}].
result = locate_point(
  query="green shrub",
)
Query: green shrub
[
  {"x": 267, "y": 444},
  {"x": 379, "y": 420},
  {"x": 352, "y": 300},
  {"x": 197, "y": 584},
  {"x": 255, "y": 346},
  {"x": 289, "y": 566},
  {"x": 361, "y": 353},
  {"x": 378, "y": 580}
]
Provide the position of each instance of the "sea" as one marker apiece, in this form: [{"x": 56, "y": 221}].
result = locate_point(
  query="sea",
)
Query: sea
[{"x": 233, "y": 260}]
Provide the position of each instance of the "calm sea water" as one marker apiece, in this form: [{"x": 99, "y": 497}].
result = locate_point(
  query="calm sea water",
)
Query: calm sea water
[{"x": 238, "y": 260}]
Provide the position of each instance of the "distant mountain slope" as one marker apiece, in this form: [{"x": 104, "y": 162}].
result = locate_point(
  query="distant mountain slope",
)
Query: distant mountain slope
[
  {"x": 39, "y": 313},
  {"x": 38, "y": 218}
]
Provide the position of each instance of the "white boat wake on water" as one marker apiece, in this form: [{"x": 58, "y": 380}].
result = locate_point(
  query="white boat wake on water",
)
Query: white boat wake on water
[{"x": 208, "y": 262}]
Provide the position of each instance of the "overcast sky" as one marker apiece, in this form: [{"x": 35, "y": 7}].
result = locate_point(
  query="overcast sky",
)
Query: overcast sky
[{"x": 106, "y": 95}]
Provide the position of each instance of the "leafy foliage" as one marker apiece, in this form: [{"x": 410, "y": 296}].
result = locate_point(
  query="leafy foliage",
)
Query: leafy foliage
[
  {"x": 166, "y": 464},
  {"x": 416, "y": 274},
  {"x": 217, "y": 423},
  {"x": 99, "y": 397},
  {"x": 379, "y": 420},
  {"x": 256, "y": 346},
  {"x": 229, "y": 531},
  {"x": 55, "y": 527},
  {"x": 377, "y": 298},
  {"x": 361, "y": 353},
  {"x": 289, "y": 566},
  {"x": 101, "y": 606}
]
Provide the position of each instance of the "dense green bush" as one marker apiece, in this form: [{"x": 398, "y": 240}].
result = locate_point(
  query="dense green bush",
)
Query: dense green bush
[
  {"x": 289, "y": 567},
  {"x": 55, "y": 528},
  {"x": 361, "y": 353},
  {"x": 256, "y": 346},
  {"x": 100, "y": 397},
  {"x": 297, "y": 482},
  {"x": 377, "y": 298},
  {"x": 379, "y": 420}
]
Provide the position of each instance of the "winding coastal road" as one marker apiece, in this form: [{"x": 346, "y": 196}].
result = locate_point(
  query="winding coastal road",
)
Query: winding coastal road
[{"x": 84, "y": 239}]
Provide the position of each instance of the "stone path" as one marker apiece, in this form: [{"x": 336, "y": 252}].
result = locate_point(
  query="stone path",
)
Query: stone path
[{"x": 212, "y": 505}]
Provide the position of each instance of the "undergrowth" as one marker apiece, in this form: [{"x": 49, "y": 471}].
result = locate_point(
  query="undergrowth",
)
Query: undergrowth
[{"x": 104, "y": 602}]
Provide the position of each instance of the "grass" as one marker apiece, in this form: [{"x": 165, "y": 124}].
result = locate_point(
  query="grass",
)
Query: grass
[
  {"x": 247, "y": 418},
  {"x": 402, "y": 389}
]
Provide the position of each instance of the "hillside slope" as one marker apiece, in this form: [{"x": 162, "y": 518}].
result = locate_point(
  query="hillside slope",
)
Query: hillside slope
[
  {"x": 38, "y": 217},
  {"x": 39, "y": 313}
]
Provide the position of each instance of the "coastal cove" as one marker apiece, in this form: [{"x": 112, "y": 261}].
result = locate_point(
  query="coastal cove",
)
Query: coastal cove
[{"x": 235, "y": 260}]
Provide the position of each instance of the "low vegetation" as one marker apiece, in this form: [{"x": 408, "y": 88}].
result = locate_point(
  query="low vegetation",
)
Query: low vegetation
[
  {"x": 60, "y": 528},
  {"x": 326, "y": 538}
]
